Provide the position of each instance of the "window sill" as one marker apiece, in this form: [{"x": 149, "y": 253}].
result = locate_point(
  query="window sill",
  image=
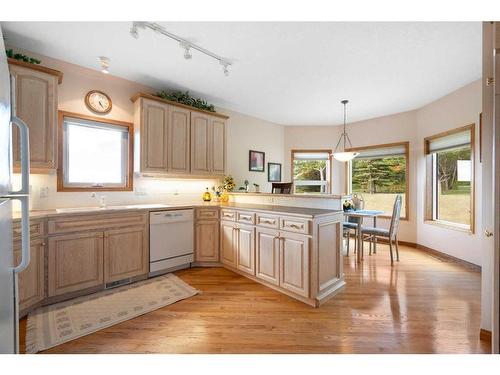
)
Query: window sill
[{"x": 452, "y": 226}]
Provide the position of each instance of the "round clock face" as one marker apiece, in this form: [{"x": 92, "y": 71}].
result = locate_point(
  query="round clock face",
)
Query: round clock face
[{"x": 98, "y": 101}]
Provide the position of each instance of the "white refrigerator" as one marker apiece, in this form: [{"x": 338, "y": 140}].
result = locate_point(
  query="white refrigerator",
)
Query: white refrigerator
[{"x": 9, "y": 333}]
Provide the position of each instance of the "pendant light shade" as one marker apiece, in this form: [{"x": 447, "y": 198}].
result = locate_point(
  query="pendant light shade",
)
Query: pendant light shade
[{"x": 340, "y": 153}]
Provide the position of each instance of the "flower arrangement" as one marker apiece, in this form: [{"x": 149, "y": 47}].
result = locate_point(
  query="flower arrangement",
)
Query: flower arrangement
[
  {"x": 348, "y": 205},
  {"x": 228, "y": 184}
]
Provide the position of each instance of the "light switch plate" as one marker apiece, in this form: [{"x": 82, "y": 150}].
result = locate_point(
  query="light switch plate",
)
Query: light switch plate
[{"x": 44, "y": 191}]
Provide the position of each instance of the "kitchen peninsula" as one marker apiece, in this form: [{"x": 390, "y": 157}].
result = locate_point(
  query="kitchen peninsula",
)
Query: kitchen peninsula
[{"x": 294, "y": 250}]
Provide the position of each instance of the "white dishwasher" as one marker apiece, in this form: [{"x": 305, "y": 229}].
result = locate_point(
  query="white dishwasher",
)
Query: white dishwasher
[{"x": 171, "y": 244}]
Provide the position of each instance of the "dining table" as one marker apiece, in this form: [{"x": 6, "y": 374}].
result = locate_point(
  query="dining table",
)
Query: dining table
[{"x": 362, "y": 214}]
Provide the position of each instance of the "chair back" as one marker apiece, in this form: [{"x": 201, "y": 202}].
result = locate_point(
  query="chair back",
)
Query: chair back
[
  {"x": 396, "y": 213},
  {"x": 281, "y": 188}
]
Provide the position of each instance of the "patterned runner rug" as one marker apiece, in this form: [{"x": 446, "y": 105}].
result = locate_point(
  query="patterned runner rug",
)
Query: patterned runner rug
[{"x": 52, "y": 325}]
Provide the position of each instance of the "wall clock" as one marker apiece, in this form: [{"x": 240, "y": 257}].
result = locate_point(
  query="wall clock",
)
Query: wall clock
[{"x": 98, "y": 102}]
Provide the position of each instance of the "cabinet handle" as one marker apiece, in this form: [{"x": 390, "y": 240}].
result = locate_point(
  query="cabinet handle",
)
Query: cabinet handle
[
  {"x": 295, "y": 226},
  {"x": 267, "y": 221}
]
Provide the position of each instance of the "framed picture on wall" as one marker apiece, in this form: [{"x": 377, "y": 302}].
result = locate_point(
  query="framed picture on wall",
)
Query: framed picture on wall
[
  {"x": 274, "y": 172},
  {"x": 256, "y": 161}
]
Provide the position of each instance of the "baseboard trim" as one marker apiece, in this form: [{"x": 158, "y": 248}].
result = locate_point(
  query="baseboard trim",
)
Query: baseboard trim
[
  {"x": 484, "y": 335},
  {"x": 437, "y": 253},
  {"x": 448, "y": 257}
]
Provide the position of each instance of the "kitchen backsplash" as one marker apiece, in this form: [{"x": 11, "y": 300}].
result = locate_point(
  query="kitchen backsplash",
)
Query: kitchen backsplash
[{"x": 44, "y": 195}]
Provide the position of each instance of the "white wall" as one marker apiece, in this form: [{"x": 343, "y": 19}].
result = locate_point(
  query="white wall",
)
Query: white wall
[
  {"x": 461, "y": 107},
  {"x": 388, "y": 129},
  {"x": 244, "y": 133}
]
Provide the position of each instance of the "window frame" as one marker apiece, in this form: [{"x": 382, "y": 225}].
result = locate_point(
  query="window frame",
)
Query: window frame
[
  {"x": 348, "y": 173},
  {"x": 430, "y": 190},
  {"x": 329, "y": 175},
  {"x": 129, "y": 178}
]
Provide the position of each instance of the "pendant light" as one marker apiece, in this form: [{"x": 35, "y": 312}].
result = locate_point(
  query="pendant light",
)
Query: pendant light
[{"x": 342, "y": 154}]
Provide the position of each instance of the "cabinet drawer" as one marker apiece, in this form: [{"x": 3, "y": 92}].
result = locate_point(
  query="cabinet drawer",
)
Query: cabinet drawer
[
  {"x": 228, "y": 215},
  {"x": 296, "y": 225},
  {"x": 36, "y": 229},
  {"x": 207, "y": 213},
  {"x": 81, "y": 223},
  {"x": 245, "y": 217},
  {"x": 268, "y": 221}
]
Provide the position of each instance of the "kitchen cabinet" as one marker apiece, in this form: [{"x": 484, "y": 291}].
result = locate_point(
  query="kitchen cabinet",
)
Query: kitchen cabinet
[
  {"x": 179, "y": 130},
  {"x": 75, "y": 262},
  {"x": 207, "y": 241},
  {"x": 35, "y": 102},
  {"x": 245, "y": 248},
  {"x": 175, "y": 139},
  {"x": 267, "y": 251},
  {"x": 294, "y": 263},
  {"x": 228, "y": 244},
  {"x": 126, "y": 253},
  {"x": 200, "y": 143},
  {"x": 31, "y": 281},
  {"x": 153, "y": 134}
]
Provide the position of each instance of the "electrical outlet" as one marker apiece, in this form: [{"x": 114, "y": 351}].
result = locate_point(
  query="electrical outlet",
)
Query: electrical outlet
[
  {"x": 44, "y": 191},
  {"x": 140, "y": 191}
]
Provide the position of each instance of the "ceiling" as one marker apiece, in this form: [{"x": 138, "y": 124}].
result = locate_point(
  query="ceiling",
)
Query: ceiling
[{"x": 292, "y": 73}]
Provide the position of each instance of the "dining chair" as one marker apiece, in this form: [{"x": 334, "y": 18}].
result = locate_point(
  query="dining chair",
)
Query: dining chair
[
  {"x": 352, "y": 223},
  {"x": 390, "y": 234},
  {"x": 281, "y": 188}
]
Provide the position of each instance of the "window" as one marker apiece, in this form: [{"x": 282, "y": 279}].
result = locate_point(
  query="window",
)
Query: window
[
  {"x": 311, "y": 171},
  {"x": 378, "y": 174},
  {"x": 450, "y": 177},
  {"x": 95, "y": 153}
]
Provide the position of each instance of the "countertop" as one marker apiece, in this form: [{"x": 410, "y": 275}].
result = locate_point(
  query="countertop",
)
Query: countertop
[{"x": 293, "y": 211}]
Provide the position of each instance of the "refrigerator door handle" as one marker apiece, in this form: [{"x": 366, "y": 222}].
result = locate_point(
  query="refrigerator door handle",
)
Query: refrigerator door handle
[
  {"x": 25, "y": 155},
  {"x": 25, "y": 233}
]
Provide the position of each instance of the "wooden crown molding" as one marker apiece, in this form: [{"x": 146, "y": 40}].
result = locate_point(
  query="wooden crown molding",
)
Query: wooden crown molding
[
  {"x": 161, "y": 100},
  {"x": 37, "y": 67}
]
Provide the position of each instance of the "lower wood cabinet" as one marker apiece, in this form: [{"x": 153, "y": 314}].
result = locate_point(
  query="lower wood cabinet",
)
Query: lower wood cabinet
[
  {"x": 294, "y": 263},
  {"x": 228, "y": 243},
  {"x": 31, "y": 281},
  {"x": 267, "y": 255},
  {"x": 125, "y": 253},
  {"x": 245, "y": 248},
  {"x": 75, "y": 262},
  {"x": 206, "y": 241}
]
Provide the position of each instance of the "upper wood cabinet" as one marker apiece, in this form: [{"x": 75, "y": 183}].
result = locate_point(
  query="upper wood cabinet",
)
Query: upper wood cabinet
[
  {"x": 153, "y": 134},
  {"x": 179, "y": 129},
  {"x": 35, "y": 102},
  {"x": 200, "y": 144},
  {"x": 175, "y": 139}
]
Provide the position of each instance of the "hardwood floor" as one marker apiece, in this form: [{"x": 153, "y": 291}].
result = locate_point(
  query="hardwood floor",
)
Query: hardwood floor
[{"x": 423, "y": 304}]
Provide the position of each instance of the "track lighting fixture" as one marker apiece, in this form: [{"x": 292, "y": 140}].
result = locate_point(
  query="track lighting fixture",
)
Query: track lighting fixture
[
  {"x": 184, "y": 44},
  {"x": 104, "y": 61}
]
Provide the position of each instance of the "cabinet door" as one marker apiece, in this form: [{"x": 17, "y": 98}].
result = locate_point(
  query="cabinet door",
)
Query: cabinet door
[
  {"x": 75, "y": 262},
  {"x": 179, "y": 155},
  {"x": 32, "y": 280},
  {"x": 228, "y": 243},
  {"x": 267, "y": 255},
  {"x": 246, "y": 249},
  {"x": 126, "y": 253},
  {"x": 200, "y": 143},
  {"x": 36, "y": 104},
  {"x": 294, "y": 263},
  {"x": 154, "y": 137},
  {"x": 207, "y": 241},
  {"x": 218, "y": 146}
]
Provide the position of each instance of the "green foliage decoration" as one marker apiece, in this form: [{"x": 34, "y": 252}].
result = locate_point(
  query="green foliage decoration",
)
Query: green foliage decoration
[
  {"x": 187, "y": 99},
  {"x": 19, "y": 56},
  {"x": 385, "y": 175}
]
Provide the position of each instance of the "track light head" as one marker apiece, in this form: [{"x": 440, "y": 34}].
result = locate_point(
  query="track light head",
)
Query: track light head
[
  {"x": 225, "y": 67},
  {"x": 104, "y": 61},
  {"x": 187, "y": 53},
  {"x": 134, "y": 32}
]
